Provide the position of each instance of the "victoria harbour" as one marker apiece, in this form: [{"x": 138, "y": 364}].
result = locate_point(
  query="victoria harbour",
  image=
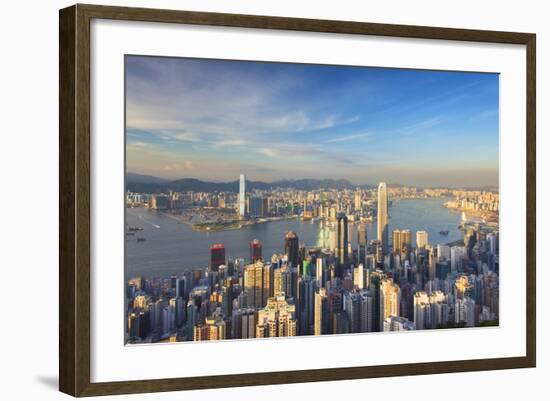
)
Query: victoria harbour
[{"x": 166, "y": 249}]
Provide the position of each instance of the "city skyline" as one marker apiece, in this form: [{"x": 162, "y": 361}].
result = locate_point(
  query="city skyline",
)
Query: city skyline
[
  {"x": 345, "y": 281},
  {"x": 412, "y": 127}
]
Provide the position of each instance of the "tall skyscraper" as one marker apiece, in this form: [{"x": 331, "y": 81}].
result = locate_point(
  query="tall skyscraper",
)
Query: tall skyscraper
[
  {"x": 352, "y": 308},
  {"x": 389, "y": 300},
  {"x": 308, "y": 319},
  {"x": 457, "y": 255},
  {"x": 359, "y": 276},
  {"x": 367, "y": 315},
  {"x": 282, "y": 281},
  {"x": 397, "y": 241},
  {"x": 362, "y": 240},
  {"x": 267, "y": 282},
  {"x": 243, "y": 323},
  {"x": 242, "y": 195},
  {"x": 319, "y": 267},
  {"x": 421, "y": 239},
  {"x": 342, "y": 239},
  {"x": 255, "y": 250},
  {"x": 492, "y": 239},
  {"x": 358, "y": 201},
  {"x": 333, "y": 239},
  {"x": 320, "y": 320},
  {"x": 255, "y": 206},
  {"x": 406, "y": 243},
  {"x": 292, "y": 248},
  {"x": 217, "y": 256},
  {"x": 334, "y": 306},
  {"x": 382, "y": 217},
  {"x": 254, "y": 284}
]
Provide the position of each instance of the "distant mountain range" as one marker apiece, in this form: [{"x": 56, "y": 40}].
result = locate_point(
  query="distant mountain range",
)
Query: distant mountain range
[
  {"x": 145, "y": 179},
  {"x": 150, "y": 184}
]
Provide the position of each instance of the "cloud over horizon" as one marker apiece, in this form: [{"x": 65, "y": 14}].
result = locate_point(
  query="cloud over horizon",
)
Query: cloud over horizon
[{"x": 213, "y": 119}]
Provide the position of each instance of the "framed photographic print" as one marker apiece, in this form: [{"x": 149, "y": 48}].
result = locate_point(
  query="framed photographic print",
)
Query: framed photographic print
[{"x": 250, "y": 200}]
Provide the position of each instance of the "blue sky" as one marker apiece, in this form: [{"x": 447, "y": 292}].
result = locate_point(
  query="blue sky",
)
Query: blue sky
[{"x": 213, "y": 119}]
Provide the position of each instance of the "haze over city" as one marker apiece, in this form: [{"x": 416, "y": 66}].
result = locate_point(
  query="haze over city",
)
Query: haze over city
[{"x": 213, "y": 119}]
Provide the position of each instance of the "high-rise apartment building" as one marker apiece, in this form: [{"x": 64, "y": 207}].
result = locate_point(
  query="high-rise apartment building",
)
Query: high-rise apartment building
[
  {"x": 253, "y": 283},
  {"x": 362, "y": 241},
  {"x": 397, "y": 244},
  {"x": 421, "y": 239},
  {"x": 277, "y": 319},
  {"x": 382, "y": 217},
  {"x": 320, "y": 312},
  {"x": 389, "y": 300}
]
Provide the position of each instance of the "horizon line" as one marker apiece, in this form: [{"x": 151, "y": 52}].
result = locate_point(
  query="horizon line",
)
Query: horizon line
[{"x": 388, "y": 183}]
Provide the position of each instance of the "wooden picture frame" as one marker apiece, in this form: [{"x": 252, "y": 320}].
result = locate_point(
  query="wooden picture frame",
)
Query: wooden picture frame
[{"x": 74, "y": 202}]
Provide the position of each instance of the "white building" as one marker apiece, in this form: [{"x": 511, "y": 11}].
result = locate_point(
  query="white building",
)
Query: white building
[
  {"x": 359, "y": 276},
  {"x": 242, "y": 195}
]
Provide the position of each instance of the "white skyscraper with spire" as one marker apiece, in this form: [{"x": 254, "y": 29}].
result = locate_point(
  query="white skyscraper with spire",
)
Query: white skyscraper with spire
[
  {"x": 382, "y": 216},
  {"x": 242, "y": 195}
]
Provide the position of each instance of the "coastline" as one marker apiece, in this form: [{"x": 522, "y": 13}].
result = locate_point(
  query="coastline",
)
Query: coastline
[
  {"x": 229, "y": 225},
  {"x": 486, "y": 215},
  {"x": 237, "y": 224}
]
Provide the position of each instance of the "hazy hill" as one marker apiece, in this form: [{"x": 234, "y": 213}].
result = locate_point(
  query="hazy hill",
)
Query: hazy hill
[{"x": 150, "y": 184}]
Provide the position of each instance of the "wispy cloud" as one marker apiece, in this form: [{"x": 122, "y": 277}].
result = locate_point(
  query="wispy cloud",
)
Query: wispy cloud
[
  {"x": 422, "y": 125},
  {"x": 230, "y": 142},
  {"x": 183, "y": 136},
  {"x": 214, "y": 119},
  {"x": 347, "y": 138},
  {"x": 168, "y": 96},
  {"x": 270, "y": 152}
]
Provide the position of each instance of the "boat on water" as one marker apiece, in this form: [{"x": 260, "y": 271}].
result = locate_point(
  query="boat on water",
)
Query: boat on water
[
  {"x": 140, "y": 239},
  {"x": 444, "y": 232}
]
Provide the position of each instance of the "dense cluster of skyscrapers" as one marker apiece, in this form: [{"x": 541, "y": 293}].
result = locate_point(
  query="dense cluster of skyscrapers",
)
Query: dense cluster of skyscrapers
[{"x": 381, "y": 284}]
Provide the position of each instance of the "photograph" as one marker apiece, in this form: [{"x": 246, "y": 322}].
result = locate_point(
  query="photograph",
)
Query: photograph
[{"x": 269, "y": 199}]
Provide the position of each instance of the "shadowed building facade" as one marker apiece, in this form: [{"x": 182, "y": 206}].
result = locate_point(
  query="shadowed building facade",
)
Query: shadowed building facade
[
  {"x": 382, "y": 217},
  {"x": 292, "y": 248}
]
